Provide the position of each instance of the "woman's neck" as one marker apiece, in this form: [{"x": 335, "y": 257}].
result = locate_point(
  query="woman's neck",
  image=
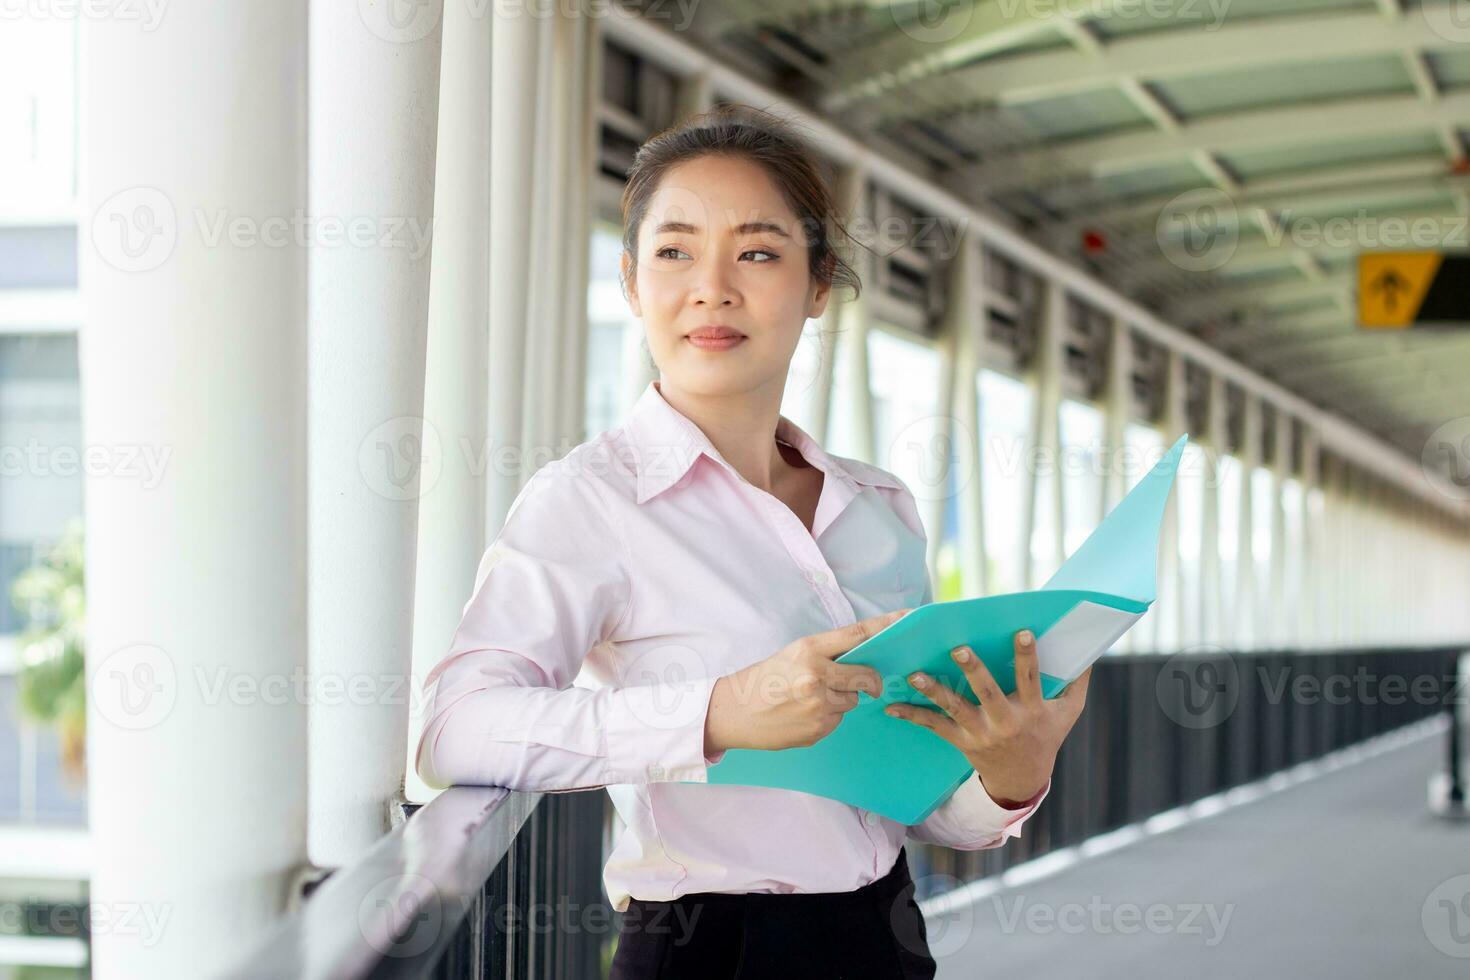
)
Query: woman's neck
[{"x": 741, "y": 427}]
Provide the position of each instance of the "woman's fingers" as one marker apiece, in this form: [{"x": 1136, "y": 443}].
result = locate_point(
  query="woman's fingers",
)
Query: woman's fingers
[
  {"x": 993, "y": 703},
  {"x": 940, "y": 724},
  {"x": 834, "y": 643},
  {"x": 1028, "y": 673},
  {"x": 854, "y": 677},
  {"x": 946, "y": 697}
]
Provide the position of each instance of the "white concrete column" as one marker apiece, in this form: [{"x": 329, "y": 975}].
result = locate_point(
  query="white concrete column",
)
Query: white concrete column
[
  {"x": 1117, "y": 407},
  {"x": 1280, "y": 604},
  {"x": 451, "y": 512},
  {"x": 193, "y": 374},
  {"x": 1046, "y": 432},
  {"x": 848, "y": 191},
  {"x": 373, "y": 84},
  {"x": 968, "y": 300},
  {"x": 1168, "y": 622},
  {"x": 1217, "y": 444},
  {"x": 857, "y": 321},
  {"x": 580, "y": 197},
  {"x": 1309, "y": 584},
  {"x": 515, "y": 40},
  {"x": 1245, "y": 623}
]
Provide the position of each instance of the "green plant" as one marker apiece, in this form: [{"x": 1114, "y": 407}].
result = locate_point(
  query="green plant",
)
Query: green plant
[{"x": 52, "y": 682}]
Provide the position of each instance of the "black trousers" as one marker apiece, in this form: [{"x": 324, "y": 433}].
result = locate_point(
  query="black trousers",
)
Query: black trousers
[{"x": 873, "y": 933}]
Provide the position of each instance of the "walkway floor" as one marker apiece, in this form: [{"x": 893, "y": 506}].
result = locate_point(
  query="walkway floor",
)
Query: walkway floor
[{"x": 1346, "y": 875}]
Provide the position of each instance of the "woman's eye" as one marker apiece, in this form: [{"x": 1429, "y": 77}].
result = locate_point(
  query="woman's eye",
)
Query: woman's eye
[
  {"x": 761, "y": 251},
  {"x": 667, "y": 248}
]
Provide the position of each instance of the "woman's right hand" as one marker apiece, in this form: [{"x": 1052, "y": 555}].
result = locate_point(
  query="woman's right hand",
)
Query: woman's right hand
[{"x": 796, "y": 696}]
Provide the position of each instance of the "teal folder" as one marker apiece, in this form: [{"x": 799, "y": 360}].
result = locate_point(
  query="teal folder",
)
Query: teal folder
[{"x": 904, "y": 772}]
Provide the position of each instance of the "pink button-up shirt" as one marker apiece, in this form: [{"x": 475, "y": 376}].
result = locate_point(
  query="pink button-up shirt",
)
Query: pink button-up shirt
[{"x": 628, "y": 577}]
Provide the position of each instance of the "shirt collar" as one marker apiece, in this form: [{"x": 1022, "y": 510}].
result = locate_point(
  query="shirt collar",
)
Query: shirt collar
[{"x": 666, "y": 443}]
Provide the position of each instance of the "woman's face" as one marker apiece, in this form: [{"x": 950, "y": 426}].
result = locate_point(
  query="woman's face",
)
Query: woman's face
[{"x": 719, "y": 247}]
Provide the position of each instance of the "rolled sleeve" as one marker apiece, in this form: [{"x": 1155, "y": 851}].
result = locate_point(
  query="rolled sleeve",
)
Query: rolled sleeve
[
  {"x": 970, "y": 820},
  {"x": 504, "y": 710},
  {"x": 656, "y": 733}
]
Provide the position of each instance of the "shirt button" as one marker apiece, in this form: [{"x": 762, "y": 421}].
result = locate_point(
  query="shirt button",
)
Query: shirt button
[
  {"x": 656, "y": 773},
  {"x": 870, "y": 818},
  {"x": 816, "y": 576}
]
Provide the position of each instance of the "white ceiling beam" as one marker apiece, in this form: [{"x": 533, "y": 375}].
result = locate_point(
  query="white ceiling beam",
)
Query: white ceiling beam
[
  {"x": 1155, "y": 56},
  {"x": 976, "y": 30},
  {"x": 1383, "y": 116},
  {"x": 1319, "y": 185},
  {"x": 1208, "y": 302}
]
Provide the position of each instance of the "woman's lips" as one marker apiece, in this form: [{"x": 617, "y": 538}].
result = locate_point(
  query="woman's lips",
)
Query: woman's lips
[{"x": 714, "y": 343}]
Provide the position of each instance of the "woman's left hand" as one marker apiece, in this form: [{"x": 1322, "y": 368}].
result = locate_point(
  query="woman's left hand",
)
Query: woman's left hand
[{"x": 1012, "y": 741}]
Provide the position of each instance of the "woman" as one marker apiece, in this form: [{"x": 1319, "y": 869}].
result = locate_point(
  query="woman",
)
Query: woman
[{"x": 695, "y": 572}]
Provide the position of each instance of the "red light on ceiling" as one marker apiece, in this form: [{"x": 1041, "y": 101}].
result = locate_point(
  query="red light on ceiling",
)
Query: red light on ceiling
[{"x": 1093, "y": 241}]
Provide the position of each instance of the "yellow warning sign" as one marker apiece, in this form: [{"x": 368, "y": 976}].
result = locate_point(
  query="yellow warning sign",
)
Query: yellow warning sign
[{"x": 1392, "y": 287}]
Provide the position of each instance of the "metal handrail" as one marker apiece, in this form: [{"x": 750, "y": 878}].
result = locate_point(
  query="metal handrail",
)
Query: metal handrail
[{"x": 406, "y": 897}]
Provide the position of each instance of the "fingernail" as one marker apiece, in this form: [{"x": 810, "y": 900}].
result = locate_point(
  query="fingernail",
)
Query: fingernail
[
  {"x": 892, "y": 712},
  {"x": 962, "y": 654},
  {"x": 918, "y": 680},
  {"x": 1027, "y": 637}
]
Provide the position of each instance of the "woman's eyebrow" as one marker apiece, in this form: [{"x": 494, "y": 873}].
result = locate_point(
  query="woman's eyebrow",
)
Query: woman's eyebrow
[{"x": 749, "y": 227}]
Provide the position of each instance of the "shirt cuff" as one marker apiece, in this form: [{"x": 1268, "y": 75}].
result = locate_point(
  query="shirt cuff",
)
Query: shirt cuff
[
  {"x": 655, "y": 734},
  {"x": 971, "y": 819}
]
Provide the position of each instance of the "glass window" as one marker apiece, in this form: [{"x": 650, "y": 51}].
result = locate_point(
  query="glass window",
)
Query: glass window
[
  {"x": 1143, "y": 448},
  {"x": 1082, "y": 470},
  {"x": 40, "y": 437},
  {"x": 1005, "y": 426},
  {"x": 1292, "y": 596},
  {"x": 803, "y": 377},
  {"x": 613, "y": 333},
  {"x": 1263, "y": 505},
  {"x": 1190, "y": 488},
  {"x": 904, "y": 380},
  {"x": 1230, "y": 483}
]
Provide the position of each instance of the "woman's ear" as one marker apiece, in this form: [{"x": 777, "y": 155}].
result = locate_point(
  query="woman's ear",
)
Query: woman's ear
[
  {"x": 818, "y": 305},
  {"x": 630, "y": 284}
]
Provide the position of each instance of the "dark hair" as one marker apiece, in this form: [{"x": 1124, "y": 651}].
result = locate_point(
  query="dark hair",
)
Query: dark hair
[{"x": 743, "y": 131}]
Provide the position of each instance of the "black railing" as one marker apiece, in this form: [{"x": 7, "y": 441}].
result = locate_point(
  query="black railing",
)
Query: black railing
[
  {"x": 486, "y": 883},
  {"x": 1161, "y": 731}
]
